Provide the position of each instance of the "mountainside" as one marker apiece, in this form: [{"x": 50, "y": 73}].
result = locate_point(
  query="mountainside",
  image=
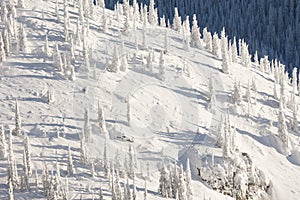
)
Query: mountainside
[{"x": 98, "y": 100}]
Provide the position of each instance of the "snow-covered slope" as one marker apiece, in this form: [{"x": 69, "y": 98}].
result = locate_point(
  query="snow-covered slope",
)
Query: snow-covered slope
[{"x": 169, "y": 119}]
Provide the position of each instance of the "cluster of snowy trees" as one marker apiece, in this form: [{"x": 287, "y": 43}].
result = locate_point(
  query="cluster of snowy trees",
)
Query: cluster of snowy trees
[
  {"x": 175, "y": 183},
  {"x": 12, "y": 34},
  {"x": 281, "y": 17}
]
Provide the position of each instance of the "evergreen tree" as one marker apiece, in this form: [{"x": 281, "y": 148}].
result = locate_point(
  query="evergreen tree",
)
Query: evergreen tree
[
  {"x": 188, "y": 181},
  {"x": 115, "y": 65},
  {"x": 176, "y": 20},
  {"x": 216, "y": 46},
  {"x": 163, "y": 182},
  {"x": 152, "y": 14},
  {"x": 17, "y": 131},
  {"x": 101, "y": 119},
  {"x": 282, "y": 128},
  {"x": 27, "y": 153},
  {"x": 22, "y": 39},
  {"x": 83, "y": 155},
  {"x": 236, "y": 97},
  {"x": 234, "y": 52},
  {"x": 182, "y": 185},
  {"x": 3, "y": 150},
  {"x": 294, "y": 124},
  {"x": 87, "y": 130},
  {"x": 195, "y": 34}
]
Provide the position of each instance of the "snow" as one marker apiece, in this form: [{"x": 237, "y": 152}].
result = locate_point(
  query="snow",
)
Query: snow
[{"x": 165, "y": 115}]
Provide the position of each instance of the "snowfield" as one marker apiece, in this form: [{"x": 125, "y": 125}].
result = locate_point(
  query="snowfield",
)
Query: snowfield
[{"x": 164, "y": 118}]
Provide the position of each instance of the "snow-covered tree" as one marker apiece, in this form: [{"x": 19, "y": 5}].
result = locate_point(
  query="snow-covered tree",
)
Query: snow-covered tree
[
  {"x": 24, "y": 185},
  {"x": 225, "y": 63},
  {"x": 182, "y": 185},
  {"x": 17, "y": 131},
  {"x": 22, "y": 41},
  {"x": 106, "y": 164},
  {"x": 216, "y": 46},
  {"x": 236, "y": 96},
  {"x": 294, "y": 125},
  {"x": 87, "y": 130},
  {"x": 83, "y": 155},
  {"x": 282, "y": 128},
  {"x": 27, "y": 154},
  {"x": 176, "y": 20},
  {"x": 152, "y": 14},
  {"x": 115, "y": 65},
  {"x": 188, "y": 180},
  {"x": 70, "y": 166},
  {"x": 234, "y": 52},
  {"x": 248, "y": 93},
  {"x": 3, "y": 150},
  {"x": 101, "y": 120},
  {"x": 163, "y": 182},
  {"x": 195, "y": 34}
]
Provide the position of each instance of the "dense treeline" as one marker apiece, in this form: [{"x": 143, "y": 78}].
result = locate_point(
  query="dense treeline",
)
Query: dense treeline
[{"x": 270, "y": 26}]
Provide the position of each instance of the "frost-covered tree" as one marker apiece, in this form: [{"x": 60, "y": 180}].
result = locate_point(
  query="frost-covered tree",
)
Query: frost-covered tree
[
  {"x": 163, "y": 182},
  {"x": 22, "y": 41},
  {"x": 182, "y": 185},
  {"x": 216, "y": 46},
  {"x": 3, "y": 150},
  {"x": 127, "y": 27},
  {"x": 188, "y": 180},
  {"x": 101, "y": 120},
  {"x": 294, "y": 125},
  {"x": 234, "y": 52},
  {"x": 115, "y": 65},
  {"x": 195, "y": 34},
  {"x": 87, "y": 130},
  {"x": 248, "y": 93},
  {"x": 236, "y": 96},
  {"x": 24, "y": 185},
  {"x": 282, "y": 128},
  {"x": 225, "y": 63},
  {"x": 207, "y": 38},
  {"x": 176, "y": 20},
  {"x": 17, "y": 131},
  {"x": 83, "y": 155},
  {"x": 27, "y": 154},
  {"x": 70, "y": 166},
  {"x": 106, "y": 164},
  {"x": 152, "y": 14},
  {"x": 7, "y": 42}
]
